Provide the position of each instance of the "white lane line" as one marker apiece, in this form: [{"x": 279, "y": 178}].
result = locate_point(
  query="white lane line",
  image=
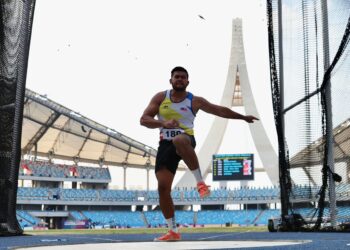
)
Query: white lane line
[
  {"x": 94, "y": 238},
  {"x": 53, "y": 240},
  {"x": 215, "y": 236}
]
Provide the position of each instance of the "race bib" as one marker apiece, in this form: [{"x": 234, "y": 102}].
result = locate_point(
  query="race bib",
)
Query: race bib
[{"x": 169, "y": 134}]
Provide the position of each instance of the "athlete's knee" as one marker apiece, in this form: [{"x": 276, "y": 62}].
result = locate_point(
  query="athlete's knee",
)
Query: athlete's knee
[{"x": 164, "y": 188}]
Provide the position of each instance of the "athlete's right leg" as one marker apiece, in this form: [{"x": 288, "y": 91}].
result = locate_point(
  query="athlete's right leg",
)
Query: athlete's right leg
[{"x": 165, "y": 179}]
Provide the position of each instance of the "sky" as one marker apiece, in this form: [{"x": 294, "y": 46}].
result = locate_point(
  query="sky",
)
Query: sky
[{"x": 106, "y": 59}]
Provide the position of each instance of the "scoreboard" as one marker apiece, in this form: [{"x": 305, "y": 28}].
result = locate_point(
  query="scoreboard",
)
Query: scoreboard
[{"x": 233, "y": 167}]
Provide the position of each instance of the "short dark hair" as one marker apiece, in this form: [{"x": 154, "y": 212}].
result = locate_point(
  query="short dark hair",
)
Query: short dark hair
[{"x": 179, "y": 68}]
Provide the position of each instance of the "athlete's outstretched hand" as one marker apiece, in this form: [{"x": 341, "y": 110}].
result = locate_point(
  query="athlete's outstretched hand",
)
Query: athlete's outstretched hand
[
  {"x": 171, "y": 124},
  {"x": 250, "y": 118}
]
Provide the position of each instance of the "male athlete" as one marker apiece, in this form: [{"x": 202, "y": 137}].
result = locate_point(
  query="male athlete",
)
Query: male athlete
[{"x": 176, "y": 110}]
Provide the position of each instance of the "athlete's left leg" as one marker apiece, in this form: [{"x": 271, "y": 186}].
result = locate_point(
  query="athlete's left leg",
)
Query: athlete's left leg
[{"x": 185, "y": 150}]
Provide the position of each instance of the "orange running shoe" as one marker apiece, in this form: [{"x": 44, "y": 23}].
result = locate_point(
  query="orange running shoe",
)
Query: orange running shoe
[
  {"x": 169, "y": 236},
  {"x": 203, "y": 189}
]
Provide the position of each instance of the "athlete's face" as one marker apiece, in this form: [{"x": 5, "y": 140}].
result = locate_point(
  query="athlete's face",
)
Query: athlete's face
[{"x": 179, "y": 81}]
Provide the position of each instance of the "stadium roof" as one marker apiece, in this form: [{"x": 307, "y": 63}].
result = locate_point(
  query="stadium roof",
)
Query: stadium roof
[
  {"x": 313, "y": 154},
  {"x": 54, "y": 131}
]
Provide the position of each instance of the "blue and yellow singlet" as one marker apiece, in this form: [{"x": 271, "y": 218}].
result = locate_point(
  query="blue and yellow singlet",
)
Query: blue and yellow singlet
[{"x": 180, "y": 111}]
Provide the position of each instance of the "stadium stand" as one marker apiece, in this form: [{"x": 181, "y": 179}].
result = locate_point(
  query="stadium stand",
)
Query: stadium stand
[
  {"x": 94, "y": 198},
  {"x": 155, "y": 218},
  {"x": 121, "y": 219},
  {"x": 41, "y": 193},
  {"x": 46, "y": 169},
  {"x": 266, "y": 215},
  {"x": 239, "y": 217},
  {"x": 26, "y": 220},
  {"x": 77, "y": 215},
  {"x": 115, "y": 219}
]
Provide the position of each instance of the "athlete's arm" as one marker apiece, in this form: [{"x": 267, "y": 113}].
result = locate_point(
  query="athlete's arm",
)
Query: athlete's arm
[
  {"x": 202, "y": 104},
  {"x": 147, "y": 118}
]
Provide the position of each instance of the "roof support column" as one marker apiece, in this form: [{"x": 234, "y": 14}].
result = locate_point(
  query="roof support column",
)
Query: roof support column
[{"x": 124, "y": 179}]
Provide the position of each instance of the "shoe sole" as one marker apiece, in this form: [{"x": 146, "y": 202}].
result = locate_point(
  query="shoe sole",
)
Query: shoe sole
[
  {"x": 165, "y": 240},
  {"x": 156, "y": 240}
]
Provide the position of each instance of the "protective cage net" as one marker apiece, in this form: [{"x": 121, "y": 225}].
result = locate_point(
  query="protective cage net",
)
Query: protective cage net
[
  {"x": 15, "y": 30},
  {"x": 310, "y": 70}
]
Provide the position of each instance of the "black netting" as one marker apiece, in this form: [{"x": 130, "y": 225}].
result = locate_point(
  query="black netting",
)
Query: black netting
[
  {"x": 310, "y": 65},
  {"x": 15, "y": 30}
]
